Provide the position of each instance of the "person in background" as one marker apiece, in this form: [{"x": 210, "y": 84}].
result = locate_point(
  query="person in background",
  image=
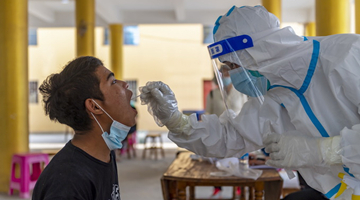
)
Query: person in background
[
  {"x": 85, "y": 96},
  {"x": 234, "y": 100},
  {"x": 303, "y": 107},
  {"x": 215, "y": 105}
]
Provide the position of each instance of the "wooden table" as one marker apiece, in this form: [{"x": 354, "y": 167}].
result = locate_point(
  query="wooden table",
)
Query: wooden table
[{"x": 185, "y": 172}]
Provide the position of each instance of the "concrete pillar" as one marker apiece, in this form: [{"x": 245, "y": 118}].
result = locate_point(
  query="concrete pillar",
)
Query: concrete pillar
[
  {"x": 14, "y": 134},
  {"x": 85, "y": 23},
  {"x": 357, "y": 16},
  {"x": 273, "y": 6},
  {"x": 310, "y": 29},
  {"x": 332, "y": 17},
  {"x": 116, "y": 49}
]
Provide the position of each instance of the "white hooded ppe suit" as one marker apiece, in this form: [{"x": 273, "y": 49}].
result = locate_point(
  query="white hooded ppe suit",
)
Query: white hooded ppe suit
[{"x": 315, "y": 93}]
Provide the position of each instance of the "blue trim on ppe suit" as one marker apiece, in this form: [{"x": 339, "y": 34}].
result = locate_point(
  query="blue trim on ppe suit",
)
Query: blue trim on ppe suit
[
  {"x": 333, "y": 191},
  {"x": 300, "y": 92},
  {"x": 230, "y": 11},
  {"x": 309, "y": 112}
]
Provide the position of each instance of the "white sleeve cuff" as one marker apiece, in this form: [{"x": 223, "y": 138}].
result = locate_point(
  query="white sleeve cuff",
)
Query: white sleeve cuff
[
  {"x": 179, "y": 123},
  {"x": 331, "y": 150}
]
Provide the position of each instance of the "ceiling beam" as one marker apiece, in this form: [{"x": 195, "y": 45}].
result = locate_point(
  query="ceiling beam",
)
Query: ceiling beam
[
  {"x": 296, "y": 15},
  {"x": 207, "y": 17},
  {"x": 108, "y": 13},
  {"x": 179, "y": 8},
  {"x": 41, "y": 11}
]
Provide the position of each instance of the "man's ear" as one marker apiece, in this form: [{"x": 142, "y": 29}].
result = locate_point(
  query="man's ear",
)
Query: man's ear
[{"x": 91, "y": 106}]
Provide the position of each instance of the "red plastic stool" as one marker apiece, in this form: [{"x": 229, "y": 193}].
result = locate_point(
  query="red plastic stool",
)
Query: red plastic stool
[{"x": 27, "y": 180}]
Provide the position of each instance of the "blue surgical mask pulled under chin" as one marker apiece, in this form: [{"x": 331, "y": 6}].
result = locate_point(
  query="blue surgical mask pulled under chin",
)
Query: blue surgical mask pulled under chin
[
  {"x": 118, "y": 132},
  {"x": 247, "y": 83}
]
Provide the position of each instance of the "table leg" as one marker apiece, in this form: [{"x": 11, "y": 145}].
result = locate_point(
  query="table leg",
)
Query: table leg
[
  {"x": 242, "y": 194},
  {"x": 234, "y": 192},
  {"x": 165, "y": 188},
  {"x": 251, "y": 192},
  {"x": 273, "y": 190},
  {"x": 181, "y": 190},
  {"x": 259, "y": 190},
  {"x": 168, "y": 189},
  {"x": 192, "y": 192},
  {"x": 172, "y": 190}
]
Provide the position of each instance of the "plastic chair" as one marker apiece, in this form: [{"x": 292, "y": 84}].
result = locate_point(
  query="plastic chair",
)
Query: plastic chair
[{"x": 27, "y": 180}]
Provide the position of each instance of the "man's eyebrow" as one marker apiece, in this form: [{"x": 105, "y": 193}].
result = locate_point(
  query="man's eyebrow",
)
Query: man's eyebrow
[{"x": 110, "y": 75}]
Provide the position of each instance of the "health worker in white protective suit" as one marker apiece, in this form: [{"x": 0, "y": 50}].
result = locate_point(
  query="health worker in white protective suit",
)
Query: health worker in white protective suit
[{"x": 306, "y": 115}]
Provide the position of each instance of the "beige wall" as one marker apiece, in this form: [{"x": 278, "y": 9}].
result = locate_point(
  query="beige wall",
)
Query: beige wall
[
  {"x": 173, "y": 54},
  {"x": 55, "y": 48}
]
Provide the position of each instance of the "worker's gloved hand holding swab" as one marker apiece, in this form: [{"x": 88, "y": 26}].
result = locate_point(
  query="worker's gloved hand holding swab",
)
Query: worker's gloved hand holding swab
[
  {"x": 162, "y": 105},
  {"x": 160, "y": 99}
]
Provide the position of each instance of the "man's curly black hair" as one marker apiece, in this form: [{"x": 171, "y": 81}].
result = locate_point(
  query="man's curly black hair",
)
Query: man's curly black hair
[{"x": 64, "y": 93}]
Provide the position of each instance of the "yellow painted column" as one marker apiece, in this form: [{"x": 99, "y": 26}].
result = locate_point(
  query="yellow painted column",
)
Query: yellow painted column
[
  {"x": 116, "y": 49},
  {"x": 357, "y": 16},
  {"x": 14, "y": 125},
  {"x": 332, "y": 17},
  {"x": 85, "y": 23},
  {"x": 273, "y": 6},
  {"x": 310, "y": 29}
]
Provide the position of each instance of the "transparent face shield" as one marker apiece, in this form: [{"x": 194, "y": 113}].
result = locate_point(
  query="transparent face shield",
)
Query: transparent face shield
[{"x": 247, "y": 82}]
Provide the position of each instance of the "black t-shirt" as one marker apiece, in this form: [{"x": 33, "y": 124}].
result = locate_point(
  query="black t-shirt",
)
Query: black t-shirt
[{"x": 74, "y": 174}]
